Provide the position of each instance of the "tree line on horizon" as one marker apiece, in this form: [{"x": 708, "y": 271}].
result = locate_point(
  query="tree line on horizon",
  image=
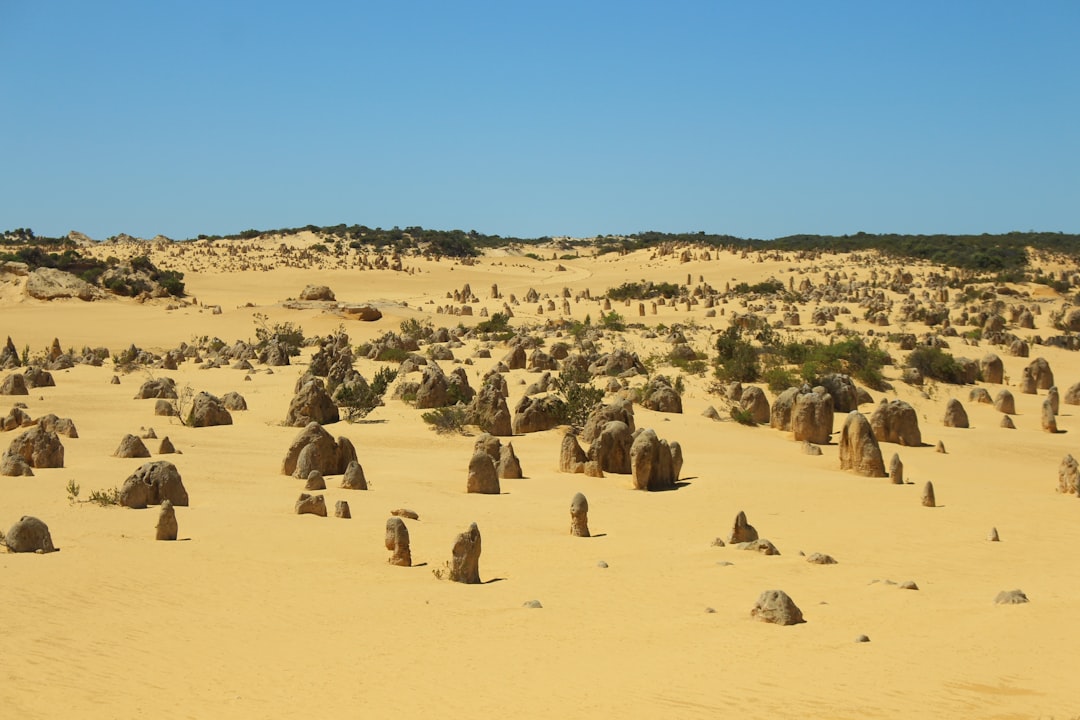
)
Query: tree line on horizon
[{"x": 986, "y": 253}]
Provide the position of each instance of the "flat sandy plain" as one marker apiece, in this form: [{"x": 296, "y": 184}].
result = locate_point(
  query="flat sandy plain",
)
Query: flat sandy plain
[{"x": 262, "y": 613}]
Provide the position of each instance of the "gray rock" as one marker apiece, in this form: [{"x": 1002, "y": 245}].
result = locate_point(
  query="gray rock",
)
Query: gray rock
[
  {"x": 167, "y": 528},
  {"x": 29, "y": 534}
]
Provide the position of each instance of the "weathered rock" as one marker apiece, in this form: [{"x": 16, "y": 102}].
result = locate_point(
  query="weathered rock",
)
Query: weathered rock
[
  {"x": 164, "y": 408},
  {"x": 1054, "y": 400},
  {"x": 38, "y": 448},
  {"x": 782, "y": 408},
  {"x": 1068, "y": 476},
  {"x": 52, "y": 284},
  {"x": 312, "y": 405},
  {"x": 896, "y": 422},
  {"x": 310, "y": 505},
  {"x": 928, "y": 499},
  {"x": 327, "y": 456},
  {"x": 812, "y": 417},
  {"x": 1048, "y": 421},
  {"x": 315, "y": 481},
  {"x": 317, "y": 293},
  {"x": 652, "y": 464},
  {"x": 993, "y": 370},
  {"x": 658, "y": 395},
  {"x": 1011, "y": 597},
  {"x": 61, "y": 426},
  {"x": 131, "y": 446},
  {"x": 16, "y": 418},
  {"x": 842, "y": 389},
  {"x": 535, "y": 414},
  {"x": 489, "y": 411},
  {"x": 1004, "y": 402},
  {"x": 14, "y": 384},
  {"x": 820, "y": 559},
  {"x": 164, "y": 387},
  {"x": 993, "y": 536},
  {"x": 859, "y": 450},
  {"x": 611, "y": 451},
  {"x": 483, "y": 477},
  {"x": 29, "y": 534},
  {"x": 508, "y": 466},
  {"x": 810, "y": 448},
  {"x": 354, "y": 479},
  {"x": 341, "y": 509},
  {"x": 753, "y": 401},
  {"x": 774, "y": 606},
  {"x": 167, "y": 527},
  {"x": 1072, "y": 395},
  {"x": 579, "y": 516},
  {"x": 940, "y": 447},
  {"x": 980, "y": 395},
  {"x": 234, "y": 401},
  {"x": 397, "y": 542},
  {"x": 742, "y": 531},
  {"x": 1041, "y": 373},
  {"x": 166, "y": 447},
  {"x": 152, "y": 483},
  {"x": 896, "y": 470},
  {"x": 1027, "y": 382},
  {"x": 207, "y": 411},
  {"x": 761, "y": 546},
  {"x": 14, "y": 466},
  {"x": 621, "y": 410},
  {"x": 37, "y": 377},
  {"x": 1007, "y": 423},
  {"x": 572, "y": 458},
  {"x": 465, "y": 559},
  {"x": 955, "y": 415}
]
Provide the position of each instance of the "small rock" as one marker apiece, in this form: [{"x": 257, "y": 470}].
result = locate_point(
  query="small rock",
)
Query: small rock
[
  {"x": 341, "y": 509},
  {"x": 311, "y": 505},
  {"x": 315, "y": 481},
  {"x": 908, "y": 585},
  {"x": 993, "y": 536},
  {"x": 1011, "y": 597},
  {"x": 532, "y": 604},
  {"x": 940, "y": 447},
  {"x": 167, "y": 528},
  {"x": 862, "y": 639},
  {"x": 405, "y": 513},
  {"x": 821, "y": 559},
  {"x": 601, "y": 564}
]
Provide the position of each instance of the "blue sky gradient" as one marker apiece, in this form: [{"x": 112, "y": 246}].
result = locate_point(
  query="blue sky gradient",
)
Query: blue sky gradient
[{"x": 757, "y": 119}]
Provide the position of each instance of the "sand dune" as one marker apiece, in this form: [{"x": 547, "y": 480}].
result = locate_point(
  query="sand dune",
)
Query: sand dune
[{"x": 258, "y": 612}]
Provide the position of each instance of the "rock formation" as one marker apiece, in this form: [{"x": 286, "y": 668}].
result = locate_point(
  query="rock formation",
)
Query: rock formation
[
  {"x": 319, "y": 452},
  {"x": 1004, "y": 402},
  {"x": 151, "y": 484},
  {"x": 896, "y": 421},
  {"x": 29, "y": 534},
  {"x": 812, "y": 417},
  {"x": 483, "y": 477},
  {"x": 465, "y": 559},
  {"x": 955, "y": 415},
  {"x": 859, "y": 451},
  {"x": 742, "y": 531},
  {"x": 131, "y": 447},
  {"x": 310, "y": 505},
  {"x": 928, "y": 499},
  {"x": 354, "y": 479},
  {"x": 579, "y": 516},
  {"x": 571, "y": 457},
  {"x": 1069, "y": 476},
  {"x": 397, "y": 542},
  {"x": 653, "y": 461},
  {"x": 774, "y": 606},
  {"x": 167, "y": 528},
  {"x": 312, "y": 405}
]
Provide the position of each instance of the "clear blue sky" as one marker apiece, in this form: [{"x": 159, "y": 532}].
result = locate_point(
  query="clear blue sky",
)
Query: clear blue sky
[{"x": 758, "y": 119}]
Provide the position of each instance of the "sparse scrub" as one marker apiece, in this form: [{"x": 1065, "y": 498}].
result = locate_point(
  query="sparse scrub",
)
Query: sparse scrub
[{"x": 446, "y": 420}]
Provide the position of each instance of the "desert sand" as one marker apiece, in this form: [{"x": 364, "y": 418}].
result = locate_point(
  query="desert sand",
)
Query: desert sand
[{"x": 259, "y": 612}]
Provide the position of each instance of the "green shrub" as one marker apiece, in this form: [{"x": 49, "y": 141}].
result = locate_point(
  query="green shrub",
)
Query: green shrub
[
  {"x": 780, "y": 379},
  {"x": 446, "y": 420},
  {"x": 612, "y": 321},
  {"x": 935, "y": 363},
  {"x": 497, "y": 323},
  {"x": 580, "y": 397},
  {"x": 105, "y": 498},
  {"x": 743, "y": 417},
  {"x": 292, "y": 337},
  {"x": 737, "y": 359},
  {"x": 415, "y": 329}
]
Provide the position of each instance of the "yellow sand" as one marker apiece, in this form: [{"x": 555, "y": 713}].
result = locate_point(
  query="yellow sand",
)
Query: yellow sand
[{"x": 262, "y": 613}]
